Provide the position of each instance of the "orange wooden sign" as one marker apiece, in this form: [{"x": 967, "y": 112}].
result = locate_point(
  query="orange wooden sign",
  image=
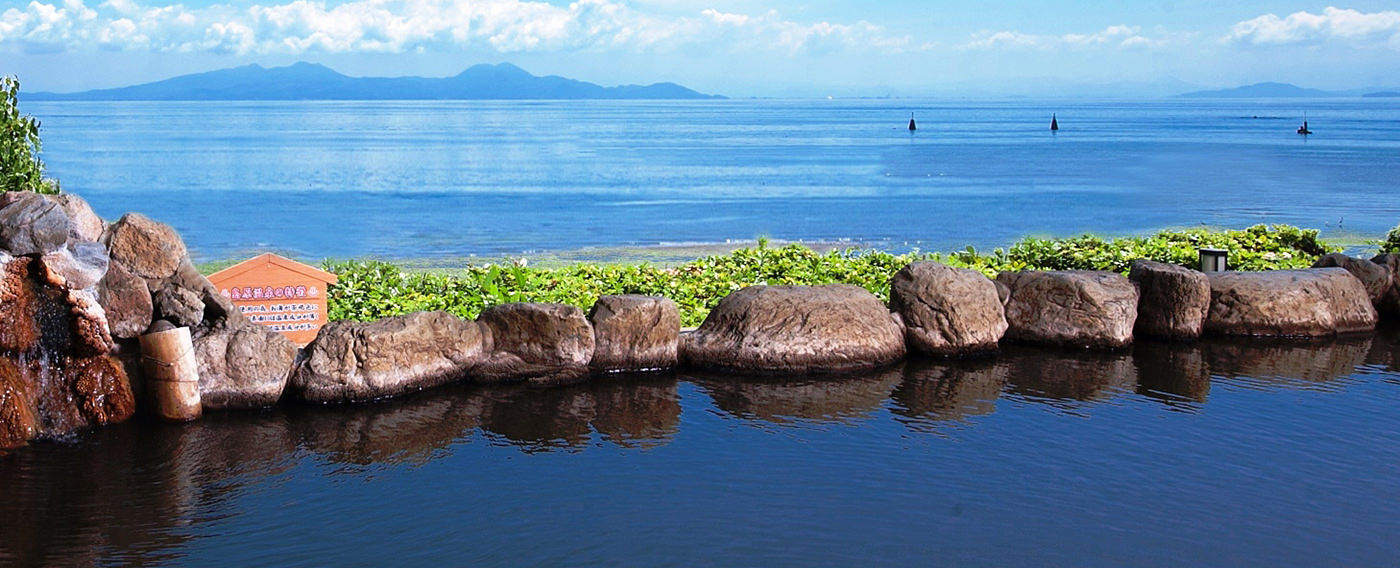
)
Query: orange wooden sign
[{"x": 285, "y": 295}]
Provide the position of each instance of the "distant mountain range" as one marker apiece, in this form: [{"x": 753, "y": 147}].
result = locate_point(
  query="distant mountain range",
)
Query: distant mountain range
[
  {"x": 1285, "y": 90},
  {"x": 310, "y": 81}
]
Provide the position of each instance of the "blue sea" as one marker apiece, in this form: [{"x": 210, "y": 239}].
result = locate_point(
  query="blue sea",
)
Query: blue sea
[{"x": 453, "y": 179}]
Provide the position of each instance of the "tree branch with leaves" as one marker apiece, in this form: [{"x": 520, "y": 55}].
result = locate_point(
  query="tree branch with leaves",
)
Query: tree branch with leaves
[{"x": 20, "y": 166}]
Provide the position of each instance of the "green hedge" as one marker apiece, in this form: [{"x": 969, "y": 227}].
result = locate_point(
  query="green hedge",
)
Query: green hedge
[{"x": 370, "y": 290}]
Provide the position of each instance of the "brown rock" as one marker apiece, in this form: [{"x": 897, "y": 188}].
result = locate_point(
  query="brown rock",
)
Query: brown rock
[
  {"x": 634, "y": 333},
  {"x": 30, "y": 224},
  {"x": 1076, "y": 308},
  {"x": 1375, "y": 277},
  {"x": 351, "y": 361},
  {"x": 86, "y": 225},
  {"x": 1309, "y": 303},
  {"x": 544, "y": 343},
  {"x": 946, "y": 310},
  {"x": 187, "y": 277},
  {"x": 55, "y": 374},
  {"x": 1173, "y": 302},
  {"x": 180, "y": 306},
  {"x": 147, "y": 248},
  {"x": 241, "y": 364},
  {"x": 1390, "y": 301},
  {"x": 18, "y": 308},
  {"x": 796, "y": 329},
  {"x": 126, "y": 301}
]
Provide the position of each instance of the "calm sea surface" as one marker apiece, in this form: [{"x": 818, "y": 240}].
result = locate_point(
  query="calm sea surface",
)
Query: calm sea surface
[
  {"x": 1209, "y": 454},
  {"x": 452, "y": 179}
]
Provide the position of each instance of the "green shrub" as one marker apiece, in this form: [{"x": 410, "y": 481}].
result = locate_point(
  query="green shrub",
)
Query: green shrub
[
  {"x": 20, "y": 167},
  {"x": 1391, "y": 244},
  {"x": 370, "y": 290}
]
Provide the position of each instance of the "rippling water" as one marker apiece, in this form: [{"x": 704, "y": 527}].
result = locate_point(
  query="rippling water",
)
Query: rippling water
[
  {"x": 448, "y": 179},
  {"x": 1216, "y": 453}
]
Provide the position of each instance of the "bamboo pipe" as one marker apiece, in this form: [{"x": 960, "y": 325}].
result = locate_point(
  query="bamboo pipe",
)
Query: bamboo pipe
[{"x": 171, "y": 373}]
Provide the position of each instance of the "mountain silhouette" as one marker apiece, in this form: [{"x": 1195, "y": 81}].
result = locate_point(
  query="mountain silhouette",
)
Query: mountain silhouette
[
  {"x": 311, "y": 81},
  {"x": 1262, "y": 90}
]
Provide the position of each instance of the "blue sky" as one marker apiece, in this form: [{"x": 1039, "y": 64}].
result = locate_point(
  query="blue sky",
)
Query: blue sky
[{"x": 748, "y": 48}]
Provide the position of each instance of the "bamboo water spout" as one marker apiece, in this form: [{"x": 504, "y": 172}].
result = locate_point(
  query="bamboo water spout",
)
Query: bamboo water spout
[{"x": 168, "y": 357}]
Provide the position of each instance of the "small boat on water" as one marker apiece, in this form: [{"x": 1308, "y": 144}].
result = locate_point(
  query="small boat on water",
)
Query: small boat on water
[
  {"x": 1304, "y": 128},
  {"x": 912, "y": 127},
  {"x": 1054, "y": 124}
]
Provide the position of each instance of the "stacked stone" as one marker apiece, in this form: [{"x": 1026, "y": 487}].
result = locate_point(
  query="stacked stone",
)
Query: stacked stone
[
  {"x": 151, "y": 278},
  {"x": 75, "y": 291},
  {"x": 56, "y": 372}
]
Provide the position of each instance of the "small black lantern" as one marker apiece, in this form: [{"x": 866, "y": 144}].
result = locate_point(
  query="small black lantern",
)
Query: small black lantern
[{"x": 1213, "y": 260}]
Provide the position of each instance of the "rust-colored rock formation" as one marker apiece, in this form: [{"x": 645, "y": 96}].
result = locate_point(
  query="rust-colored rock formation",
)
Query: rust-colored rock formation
[{"x": 56, "y": 376}]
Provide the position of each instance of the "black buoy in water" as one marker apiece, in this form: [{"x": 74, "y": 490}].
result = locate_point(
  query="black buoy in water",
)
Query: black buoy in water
[
  {"x": 911, "y": 123},
  {"x": 1054, "y": 124}
]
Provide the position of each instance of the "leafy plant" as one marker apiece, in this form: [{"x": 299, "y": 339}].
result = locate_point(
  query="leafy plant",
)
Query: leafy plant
[
  {"x": 20, "y": 167},
  {"x": 1391, "y": 244},
  {"x": 370, "y": 290}
]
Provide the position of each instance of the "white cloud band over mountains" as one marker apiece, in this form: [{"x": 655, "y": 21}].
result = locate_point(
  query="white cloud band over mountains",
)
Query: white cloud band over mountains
[
  {"x": 396, "y": 26},
  {"x": 516, "y": 26}
]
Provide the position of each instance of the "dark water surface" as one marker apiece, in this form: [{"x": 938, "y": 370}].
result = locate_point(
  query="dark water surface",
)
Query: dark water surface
[
  {"x": 425, "y": 179},
  {"x": 1252, "y": 453}
]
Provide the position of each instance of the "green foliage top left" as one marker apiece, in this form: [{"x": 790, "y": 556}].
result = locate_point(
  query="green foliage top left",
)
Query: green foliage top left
[{"x": 20, "y": 167}]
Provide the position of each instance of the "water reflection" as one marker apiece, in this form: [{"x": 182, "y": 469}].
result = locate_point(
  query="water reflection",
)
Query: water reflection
[
  {"x": 405, "y": 431},
  {"x": 123, "y": 494},
  {"x": 135, "y": 493},
  {"x": 630, "y": 412},
  {"x": 1283, "y": 363},
  {"x": 1065, "y": 375},
  {"x": 1385, "y": 350},
  {"x": 1171, "y": 372},
  {"x": 818, "y": 398},
  {"x": 934, "y": 392}
]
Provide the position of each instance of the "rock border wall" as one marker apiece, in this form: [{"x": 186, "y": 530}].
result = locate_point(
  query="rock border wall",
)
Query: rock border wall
[{"x": 116, "y": 279}]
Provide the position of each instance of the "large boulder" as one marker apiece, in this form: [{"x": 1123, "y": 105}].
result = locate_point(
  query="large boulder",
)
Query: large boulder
[
  {"x": 796, "y": 329},
  {"x": 241, "y": 364},
  {"x": 126, "y": 300},
  {"x": 147, "y": 248},
  {"x": 1314, "y": 302},
  {"x": 1074, "y": 308},
  {"x": 350, "y": 361},
  {"x": 1173, "y": 300},
  {"x": 85, "y": 225},
  {"x": 634, "y": 333},
  {"x": 30, "y": 224},
  {"x": 1375, "y": 277},
  {"x": 1390, "y": 302},
  {"x": 946, "y": 310},
  {"x": 542, "y": 343}
]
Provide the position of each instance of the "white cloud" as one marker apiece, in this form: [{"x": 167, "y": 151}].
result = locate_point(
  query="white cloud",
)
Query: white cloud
[
  {"x": 1333, "y": 24},
  {"x": 1119, "y": 36},
  {"x": 394, "y": 26}
]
